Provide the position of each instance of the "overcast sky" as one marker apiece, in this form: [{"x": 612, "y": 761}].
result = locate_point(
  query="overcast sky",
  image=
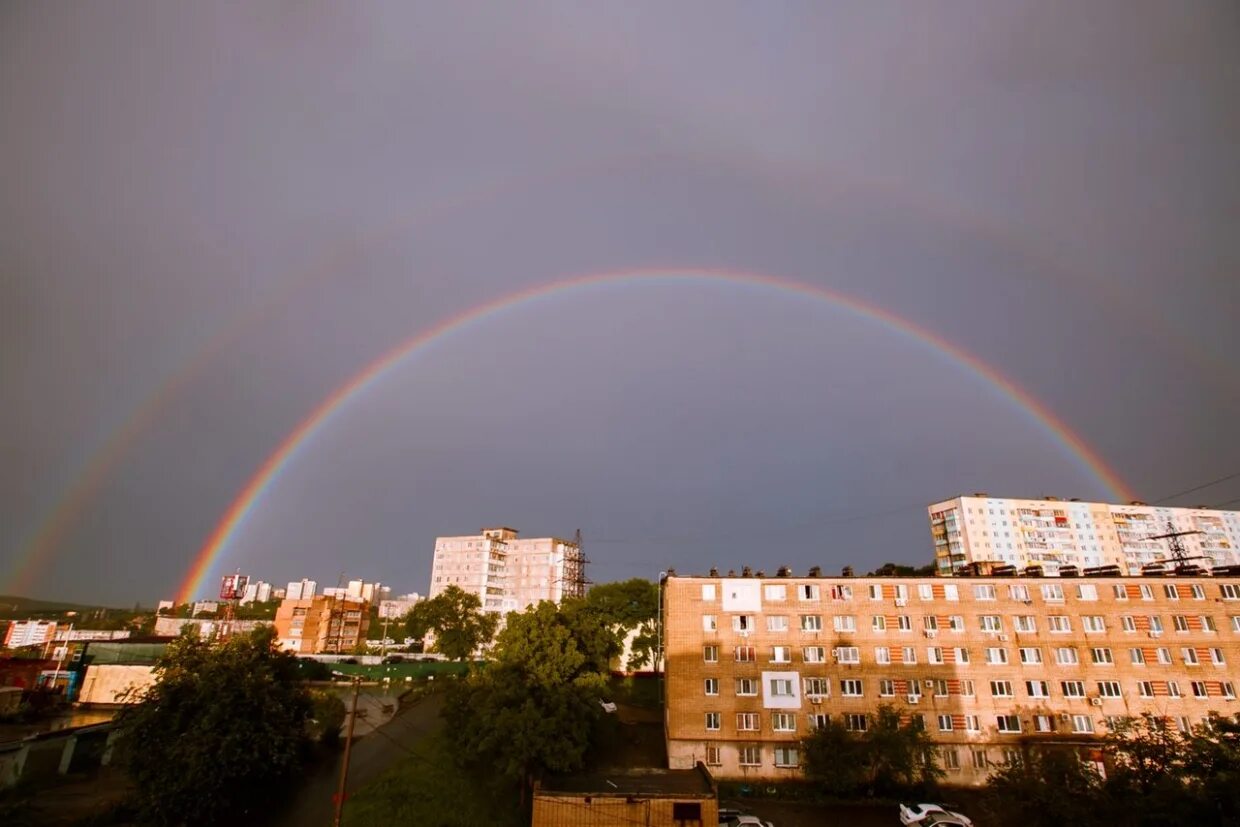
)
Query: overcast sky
[{"x": 233, "y": 208}]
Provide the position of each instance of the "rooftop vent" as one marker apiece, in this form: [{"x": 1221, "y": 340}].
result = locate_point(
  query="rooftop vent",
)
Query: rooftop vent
[
  {"x": 760, "y": 573},
  {"x": 847, "y": 571},
  {"x": 815, "y": 571},
  {"x": 783, "y": 571},
  {"x": 731, "y": 572},
  {"x": 714, "y": 572},
  {"x": 1069, "y": 571},
  {"x": 746, "y": 571},
  {"x": 1033, "y": 571},
  {"x": 1103, "y": 571}
]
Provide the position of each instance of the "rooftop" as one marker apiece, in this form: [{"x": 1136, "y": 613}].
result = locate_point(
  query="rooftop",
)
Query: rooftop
[{"x": 652, "y": 781}]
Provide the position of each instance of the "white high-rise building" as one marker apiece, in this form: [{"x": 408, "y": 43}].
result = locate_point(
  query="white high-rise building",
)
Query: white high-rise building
[
  {"x": 506, "y": 572},
  {"x": 1053, "y": 533},
  {"x": 29, "y": 633},
  {"x": 256, "y": 592},
  {"x": 303, "y": 590}
]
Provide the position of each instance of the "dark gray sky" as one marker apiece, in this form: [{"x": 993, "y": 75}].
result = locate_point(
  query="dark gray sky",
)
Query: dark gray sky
[{"x": 254, "y": 201}]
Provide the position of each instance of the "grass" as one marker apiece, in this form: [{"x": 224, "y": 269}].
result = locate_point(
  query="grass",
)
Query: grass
[{"x": 428, "y": 788}]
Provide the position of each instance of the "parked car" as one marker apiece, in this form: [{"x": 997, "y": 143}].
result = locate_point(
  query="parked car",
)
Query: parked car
[
  {"x": 735, "y": 818},
  {"x": 932, "y": 815}
]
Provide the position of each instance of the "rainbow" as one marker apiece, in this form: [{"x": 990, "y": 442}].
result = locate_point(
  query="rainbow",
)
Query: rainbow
[{"x": 266, "y": 475}]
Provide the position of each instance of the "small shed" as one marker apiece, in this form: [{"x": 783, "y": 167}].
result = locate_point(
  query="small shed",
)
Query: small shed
[{"x": 653, "y": 797}]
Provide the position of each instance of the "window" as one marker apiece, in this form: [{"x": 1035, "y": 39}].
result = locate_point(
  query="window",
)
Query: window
[
  {"x": 1082, "y": 723},
  {"x": 980, "y": 762},
  {"x": 1102, "y": 656},
  {"x": 910, "y": 655},
  {"x": 876, "y": 591},
  {"x": 1119, "y": 591},
  {"x": 1018, "y": 592},
  {"x": 710, "y": 654},
  {"x": 1235, "y": 623},
  {"x": 1072, "y": 689},
  {"x": 815, "y": 654},
  {"x": 1164, "y": 656},
  {"x": 966, "y": 687},
  {"x": 951, "y": 591},
  {"x": 817, "y": 687},
  {"x": 712, "y": 686},
  {"x": 1128, "y": 624},
  {"x": 882, "y": 655},
  {"x": 951, "y": 758},
  {"x": 1086, "y": 591},
  {"x": 781, "y": 654},
  {"x": 746, "y": 722},
  {"x": 1208, "y": 624},
  {"x": 746, "y": 686},
  {"x": 962, "y": 655},
  {"x": 845, "y": 623},
  {"x": 1052, "y": 593},
  {"x": 818, "y": 720},
  {"x": 1059, "y": 624},
  {"x": 1229, "y": 690},
  {"x": 1001, "y": 689},
  {"x": 1180, "y": 622},
  {"x": 925, "y": 591},
  {"x": 1043, "y": 723},
  {"x": 851, "y": 688},
  {"x": 972, "y": 723},
  {"x": 1173, "y": 689},
  {"x": 781, "y": 688},
  {"x": 712, "y": 721},
  {"x": 811, "y": 623},
  {"x": 686, "y": 811},
  {"x": 713, "y": 756},
  {"x": 745, "y": 654},
  {"x": 996, "y": 655},
  {"x": 1229, "y": 591},
  {"x": 1066, "y": 656},
  {"x": 886, "y": 688},
  {"x": 1200, "y": 690},
  {"x": 1216, "y": 657},
  {"x": 1025, "y": 623},
  {"x": 904, "y": 623},
  {"x": 742, "y": 623},
  {"x": 783, "y": 722},
  {"x": 955, "y": 623},
  {"x": 1031, "y": 656},
  {"x": 855, "y": 722},
  {"x": 930, "y": 623},
  {"x": 1137, "y": 656},
  {"x": 1171, "y": 591},
  {"x": 934, "y": 655},
  {"x": 786, "y": 757},
  {"x": 708, "y": 591},
  {"x": 1156, "y": 624},
  {"x": 1109, "y": 689},
  {"x": 847, "y": 654},
  {"x": 1008, "y": 723},
  {"x": 1190, "y": 657},
  {"x": 775, "y": 594},
  {"x": 940, "y": 688},
  {"x": 777, "y": 623},
  {"x": 1038, "y": 689},
  {"x": 1145, "y": 689},
  {"x": 1199, "y": 591},
  {"x": 709, "y": 623},
  {"x": 991, "y": 623},
  {"x": 878, "y": 623},
  {"x": 807, "y": 591},
  {"x": 983, "y": 592},
  {"x": 749, "y": 756},
  {"x": 945, "y": 723},
  {"x": 1094, "y": 623},
  {"x": 841, "y": 593}
]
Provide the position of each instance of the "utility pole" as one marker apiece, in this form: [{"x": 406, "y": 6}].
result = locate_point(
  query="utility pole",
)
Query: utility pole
[{"x": 348, "y": 749}]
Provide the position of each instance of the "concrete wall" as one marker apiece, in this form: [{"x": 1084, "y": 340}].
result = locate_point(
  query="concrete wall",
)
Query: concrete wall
[
  {"x": 601, "y": 810},
  {"x": 44, "y": 757},
  {"x": 108, "y": 683}
]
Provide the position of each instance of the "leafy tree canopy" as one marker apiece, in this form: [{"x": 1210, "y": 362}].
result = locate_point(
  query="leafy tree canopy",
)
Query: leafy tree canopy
[
  {"x": 890, "y": 757},
  {"x": 901, "y": 570},
  {"x": 627, "y": 603},
  {"x": 220, "y": 726},
  {"x": 457, "y": 620}
]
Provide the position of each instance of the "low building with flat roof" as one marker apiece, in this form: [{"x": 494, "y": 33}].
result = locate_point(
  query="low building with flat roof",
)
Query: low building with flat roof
[{"x": 619, "y": 798}]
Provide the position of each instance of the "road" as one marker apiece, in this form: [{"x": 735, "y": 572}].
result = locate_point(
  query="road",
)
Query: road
[{"x": 372, "y": 754}]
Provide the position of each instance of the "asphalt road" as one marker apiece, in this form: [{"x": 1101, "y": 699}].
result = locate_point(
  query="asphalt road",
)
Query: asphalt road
[{"x": 373, "y": 753}]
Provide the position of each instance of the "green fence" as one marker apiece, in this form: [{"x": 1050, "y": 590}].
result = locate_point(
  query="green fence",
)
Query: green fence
[{"x": 399, "y": 671}]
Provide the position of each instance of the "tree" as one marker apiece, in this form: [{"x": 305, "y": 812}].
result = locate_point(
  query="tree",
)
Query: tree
[
  {"x": 1046, "y": 787},
  {"x": 628, "y": 605},
  {"x": 533, "y": 708},
  {"x": 220, "y": 727},
  {"x": 457, "y": 620},
  {"x": 889, "y": 757}
]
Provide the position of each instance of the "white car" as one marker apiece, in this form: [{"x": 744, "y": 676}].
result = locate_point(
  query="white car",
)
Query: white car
[
  {"x": 732, "y": 818},
  {"x": 932, "y": 815}
]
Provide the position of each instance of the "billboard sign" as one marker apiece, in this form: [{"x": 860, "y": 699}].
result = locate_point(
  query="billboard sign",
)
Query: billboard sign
[{"x": 232, "y": 586}]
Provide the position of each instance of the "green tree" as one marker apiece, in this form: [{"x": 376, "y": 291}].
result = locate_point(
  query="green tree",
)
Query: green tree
[
  {"x": 1046, "y": 787},
  {"x": 221, "y": 726},
  {"x": 890, "y": 757},
  {"x": 533, "y": 708},
  {"x": 457, "y": 620},
  {"x": 628, "y": 605}
]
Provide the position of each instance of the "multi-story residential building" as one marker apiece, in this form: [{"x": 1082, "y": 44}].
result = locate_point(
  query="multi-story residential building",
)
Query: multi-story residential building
[
  {"x": 398, "y": 607},
  {"x": 300, "y": 590},
  {"x": 986, "y": 664},
  {"x": 256, "y": 592},
  {"x": 321, "y": 624},
  {"x": 1051, "y": 533},
  {"x": 29, "y": 633},
  {"x": 506, "y": 572}
]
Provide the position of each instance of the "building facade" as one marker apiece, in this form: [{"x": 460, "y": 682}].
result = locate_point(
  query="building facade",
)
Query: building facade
[
  {"x": 1051, "y": 533},
  {"x": 301, "y": 589},
  {"x": 506, "y": 572},
  {"x": 321, "y": 624},
  {"x": 753, "y": 664},
  {"x": 29, "y": 633}
]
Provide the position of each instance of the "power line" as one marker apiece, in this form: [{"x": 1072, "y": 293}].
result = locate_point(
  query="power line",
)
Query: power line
[{"x": 1198, "y": 488}]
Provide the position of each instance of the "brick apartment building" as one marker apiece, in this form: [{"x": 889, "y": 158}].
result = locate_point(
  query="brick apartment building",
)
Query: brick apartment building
[
  {"x": 322, "y": 623},
  {"x": 988, "y": 663}
]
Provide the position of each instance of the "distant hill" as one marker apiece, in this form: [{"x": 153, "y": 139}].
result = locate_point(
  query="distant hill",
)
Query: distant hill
[{"x": 12, "y": 605}]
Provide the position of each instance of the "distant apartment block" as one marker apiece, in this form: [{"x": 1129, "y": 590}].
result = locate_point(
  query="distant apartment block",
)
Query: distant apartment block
[
  {"x": 986, "y": 665},
  {"x": 398, "y": 607},
  {"x": 301, "y": 590},
  {"x": 29, "y": 633},
  {"x": 509, "y": 573},
  {"x": 1053, "y": 533},
  {"x": 321, "y": 624},
  {"x": 256, "y": 592},
  {"x": 205, "y": 627}
]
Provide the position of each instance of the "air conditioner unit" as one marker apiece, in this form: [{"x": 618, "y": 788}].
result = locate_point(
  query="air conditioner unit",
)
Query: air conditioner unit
[
  {"x": 931, "y": 633},
  {"x": 900, "y": 601},
  {"x": 1003, "y": 638},
  {"x": 914, "y": 699},
  {"x": 1063, "y": 716},
  {"x": 1155, "y": 633},
  {"x": 1095, "y": 701},
  {"x": 927, "y": 683},
  {"x": 815, "y": 699}
]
